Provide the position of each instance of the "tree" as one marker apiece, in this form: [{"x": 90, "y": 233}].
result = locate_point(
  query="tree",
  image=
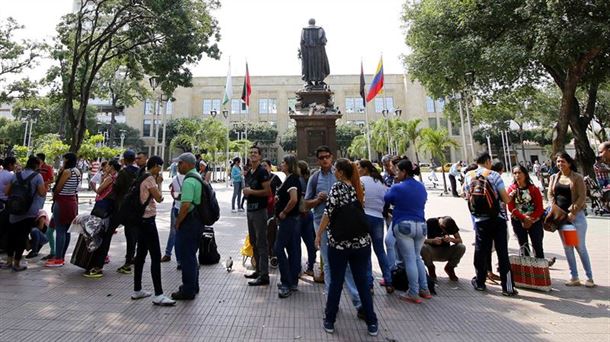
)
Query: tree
[
  {"x": 437, "y": 142},
  {"x": 259, "y": 132},
  {"x": 207, "y": 136},
  {"x": 500, "y": 46},
  {"x": 358, "y": 148},
  {"x": 288, "y": 140},
  {"x": 132, "y": 135},
  {"x": 160, "y": 37},
  {"x": 346, "y": 132},
  {"x": 412, "y": 133}
]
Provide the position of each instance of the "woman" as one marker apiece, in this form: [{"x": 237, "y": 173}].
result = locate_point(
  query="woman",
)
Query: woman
[
  {"x": 275, "y": 182},
  {"x": 308, "y": 233},
  {"x": 567, "y": 190},
  {"x": 375, "y": 189},
  {"x": 288, "y": 239},
  {"x": 409, "y": 227},
  {"x": 110, "y": 170},
  {"x": 348, "y": 242},
  {"x": 65, "y": 207},
  {"x": 238, "y": 182},
  {"x": 526, "y": 208},
  {"x": 148, "y": 236}
]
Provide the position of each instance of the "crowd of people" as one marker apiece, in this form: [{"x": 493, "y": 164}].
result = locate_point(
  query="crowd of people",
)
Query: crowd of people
[{"x": 345, "y": 209}]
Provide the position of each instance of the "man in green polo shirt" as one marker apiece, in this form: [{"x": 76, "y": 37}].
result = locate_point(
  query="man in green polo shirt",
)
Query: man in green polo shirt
[{"x": 188, "y": 228}]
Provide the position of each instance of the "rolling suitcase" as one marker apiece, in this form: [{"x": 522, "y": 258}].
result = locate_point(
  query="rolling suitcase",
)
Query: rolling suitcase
[{"x": 81, "y": 256}]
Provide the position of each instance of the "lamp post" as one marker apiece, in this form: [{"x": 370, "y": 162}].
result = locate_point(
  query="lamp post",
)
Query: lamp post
[
  {"x": 154, "y": 83},
  {"x": 225, "y": 114},
  {"x": 386, "y": 115},
  {"x": 32, "y": 114},
  {"x": 122, "y": 138}
]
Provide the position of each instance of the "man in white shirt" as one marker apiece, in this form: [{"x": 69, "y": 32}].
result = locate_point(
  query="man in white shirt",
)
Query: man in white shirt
[{"x": 454, "y": 173}]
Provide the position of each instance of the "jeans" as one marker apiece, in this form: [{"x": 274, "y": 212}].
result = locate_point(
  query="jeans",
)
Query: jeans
[
  {"x": 131, "y": 236},
  {"x": 358, "y": 260},
  {"x": 410, "y": 237},
  {"x": 148, "y": 242},
  {"x": 453, "y": 185},
  {"x": 308, "y": 235},
  {"x": 288, "y": 240},
  {"x": 38, "y": 239},
  {"x": 376, "y": 226},
  {"x": 62, "y": 237},
  {"x": 188, "y": 238},
  {"x": 535, "y": 232},
  {"x": 581, "y": 229},
  {"x": 390, "y": 246},
  {"x": 171, "y": 239},
  {"x": 257, "y": 229},
  {"x": 99, "y": 255},
  {"x": 17, "y": 237},
  {"x": 488, "y": 232},
  {"x": 51, "y": 238},
  {"x": 237, "y": 187},
  {"x": 349, "y": 278}
]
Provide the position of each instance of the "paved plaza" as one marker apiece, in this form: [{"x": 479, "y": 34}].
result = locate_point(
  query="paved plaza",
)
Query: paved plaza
[{"x": 44, "y": 304}]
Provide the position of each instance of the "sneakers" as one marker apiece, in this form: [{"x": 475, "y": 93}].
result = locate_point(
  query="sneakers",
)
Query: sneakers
[
  {"x": 54, "y": 263},
  {"x": 47, "y": 257},
  {"x": 309, "y": 272},
  {"x": 166, "y": 258},
  {"x": 179, "y": 295},
  {"x": 573, "y": 282},
  {"x": 372, "y": 329},
  {"x": 241, "y": 210},
  {"x": 425, "y": 294},
  {"x": 233, "y": 211},
  {"x": 476, "y": 285},
  {"x": 163, "y": 300},
  {"x": 451, "y": 273},
  {"x": 284, "y": 292},
  {"x": 31, "y": 255},
  {"x": 93, "y": 273},
  {"x": 589, "y": 283},
  {"x": 510, "y": 294},
  {"x": 140, "y": 294},
  {"x": 260, "y": 281},
  {"x": 253, "y": 275},
  {"x": 125, "y": 269},
  {"x": 410, "y": 299},
  {"x": 328, "y": 327}
]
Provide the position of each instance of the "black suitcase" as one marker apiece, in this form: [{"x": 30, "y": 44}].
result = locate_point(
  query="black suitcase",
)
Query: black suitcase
[{"x": 81, "y": 256}]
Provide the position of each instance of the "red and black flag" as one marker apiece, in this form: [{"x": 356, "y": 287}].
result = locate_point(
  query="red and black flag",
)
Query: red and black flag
[
  {"x": 362, "y": 91},
  {"x": 246, "y": 91}
]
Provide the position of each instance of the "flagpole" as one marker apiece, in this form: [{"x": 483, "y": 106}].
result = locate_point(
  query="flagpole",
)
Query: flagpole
[{"x": 366, "y": 114}]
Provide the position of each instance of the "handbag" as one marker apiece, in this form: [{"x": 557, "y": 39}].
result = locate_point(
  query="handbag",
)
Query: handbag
[
  {"x": 348, "y": 222},
  {"x": 554, "y": 217},
  {"x": 103, "y": 208},
  {"x": 530, "y": 272}
]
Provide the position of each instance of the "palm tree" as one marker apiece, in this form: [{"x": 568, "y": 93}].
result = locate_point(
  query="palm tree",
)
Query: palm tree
[
  {"x": 358, "y": 147},
  {"x": 413, "y": 134},
  {"x": 436, "y": 142}
]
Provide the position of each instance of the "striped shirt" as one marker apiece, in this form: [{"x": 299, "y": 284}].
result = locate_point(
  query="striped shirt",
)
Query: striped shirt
[{"x": 72, "y": 184}]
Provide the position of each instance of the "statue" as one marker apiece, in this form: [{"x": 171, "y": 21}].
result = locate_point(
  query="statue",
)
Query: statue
[{"x": 314, "y": 63}]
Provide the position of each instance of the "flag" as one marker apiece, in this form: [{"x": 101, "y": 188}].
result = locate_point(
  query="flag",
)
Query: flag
[
  {"x": 228, "y": 87},
  {"x": 246, "y": 91},
  {"x": 362, "y": 91},
  {"x": 377, "y": 84}
]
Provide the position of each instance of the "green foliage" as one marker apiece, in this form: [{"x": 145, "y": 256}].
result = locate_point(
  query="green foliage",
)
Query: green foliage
[
  {"x": 358, "y": 148},
  {"x": 288, "y": 140},
  {"x": 132, "y": 136},
  {"x": 437, "y": 143},
  {"x": 346, "y": 132},
  {"x": 208, "y": 137},
  {"x": 21, "y": 153},
  {"x": 262, "y": 132},
  {"x": 51, "y": 145}
]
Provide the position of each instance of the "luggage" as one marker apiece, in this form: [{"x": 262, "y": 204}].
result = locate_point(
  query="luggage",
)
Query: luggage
[
  {"x": 530, "y": 272},
  {"x": 81, "y": 256},
  {"x": 400, "y": 281},
  {"x": 208, "y": 251}
]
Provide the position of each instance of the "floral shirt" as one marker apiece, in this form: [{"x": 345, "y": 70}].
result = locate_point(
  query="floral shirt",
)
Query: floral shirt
[{"x": 343, "y": 194}]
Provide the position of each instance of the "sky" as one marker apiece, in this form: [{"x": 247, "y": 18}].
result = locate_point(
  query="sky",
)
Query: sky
[{"x": 266, "y": 33}]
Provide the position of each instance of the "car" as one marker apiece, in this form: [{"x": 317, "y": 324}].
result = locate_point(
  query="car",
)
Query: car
[
  {"x": 424, "y": 167},
  {"x": 446, "y": 167}
]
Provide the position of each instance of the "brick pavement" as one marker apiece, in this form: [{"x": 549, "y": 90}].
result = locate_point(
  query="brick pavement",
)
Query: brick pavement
[{"x": 61, "y": 305}]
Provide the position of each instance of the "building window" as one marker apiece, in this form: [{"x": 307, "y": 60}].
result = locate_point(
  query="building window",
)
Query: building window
[
  {"x": 432, "y": 123},
  {"x": 354, "y": 105},
  {"x": 169, "y": 107},
  {"x": 210, "y": 105},
  {"x": 455, "y": 128},
  {"x": 237, "y": 107},
  {"x": 267, "y": 106},
  {"x": 146, "y": 128},
  {"x": 148, "y": 107},
  {"x": 292, "y": 102},
  {"x": 429, "y": 104},
  {"x": 444, "y": 124},
  {"x": 440, "y": 105},
  {"x": 382, "y": 103}
]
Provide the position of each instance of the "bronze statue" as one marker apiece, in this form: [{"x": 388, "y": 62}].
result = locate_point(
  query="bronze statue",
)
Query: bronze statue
[{"x": 314, "y": 62}]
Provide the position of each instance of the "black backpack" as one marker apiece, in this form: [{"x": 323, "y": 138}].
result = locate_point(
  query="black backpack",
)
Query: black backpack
[
  {"x": 131, "y": 211},
  {"x": 482, "y": 199},
  {"x": 22, "y": 195},
  {"x": 208, "y": 209},
  {"x": 400, "y": 281},
  {"x": 208, "y": 250}
]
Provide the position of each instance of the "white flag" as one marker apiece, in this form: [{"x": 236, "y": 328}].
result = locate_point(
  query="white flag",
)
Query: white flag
[{"x": 228, "y": 87}]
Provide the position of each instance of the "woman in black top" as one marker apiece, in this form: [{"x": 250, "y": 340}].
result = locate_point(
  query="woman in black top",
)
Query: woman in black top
[{"x": 288, "y": 239}]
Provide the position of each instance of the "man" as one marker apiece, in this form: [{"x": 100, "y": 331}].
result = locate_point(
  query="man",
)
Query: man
[
  {"x": 141, "y": 159},
  {"x": 123, "y": 182},
  {"x": 454, "y": 173},
  {"x": 314, "y": 62},
  {"x": 601, "y": 172},
  {"x": 6, "y": 177},
  {"x": 388, "y": 170},
  {"x": 318, "y": 187},
  {"x": 604, "y": 152},
  {"x": 443, "y": 243},
  {"x": 257, "y": 191},
  {"x": 490, "y": 228},
  {"x": 204, "y": 171},
  {"x": 46, "y": 171},
  {"x": 188, "y": 228}
]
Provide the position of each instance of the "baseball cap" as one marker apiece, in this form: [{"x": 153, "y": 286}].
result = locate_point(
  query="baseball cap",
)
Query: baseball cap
[
  {"x": 129, "y": 154},
  {"x": 187, "y": 158}
]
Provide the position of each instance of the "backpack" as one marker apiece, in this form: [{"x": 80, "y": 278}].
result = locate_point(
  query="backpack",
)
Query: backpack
[
  {"x": 22, "y": 195},
  {"x": 208, "y": 209},
  {"x": 482, "y": 199},
  {"x": 208, "y": 250},
  {"x": 131, "y": 211}
]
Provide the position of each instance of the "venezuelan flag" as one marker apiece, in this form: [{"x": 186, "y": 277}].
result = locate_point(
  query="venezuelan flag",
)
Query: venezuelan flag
[{"x": 377, "y": 84}]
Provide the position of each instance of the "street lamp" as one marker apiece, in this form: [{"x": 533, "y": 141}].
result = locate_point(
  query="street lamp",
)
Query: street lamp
[
  {"x": 122, "y": 138},
  {"x": 225, "y": 114},
  {"x": 32, "y": 114},
  {"x": 154, "y": 83}
]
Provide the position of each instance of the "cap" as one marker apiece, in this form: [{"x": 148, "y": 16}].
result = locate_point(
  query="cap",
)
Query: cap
[
  {"x": 129, "y": 154},
  {"x": 187, "y": 158}
]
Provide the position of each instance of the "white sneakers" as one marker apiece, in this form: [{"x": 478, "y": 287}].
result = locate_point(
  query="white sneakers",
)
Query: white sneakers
[
  {"x": 140, "y": 294},
  {"x": 576, "y": 282},
  {"x": 161, "y": 299},
  {"x": 589, "y": 283}
]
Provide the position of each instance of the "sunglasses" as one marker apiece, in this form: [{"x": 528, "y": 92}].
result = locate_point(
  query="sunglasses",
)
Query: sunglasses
[{"x": 326, "y": 156}]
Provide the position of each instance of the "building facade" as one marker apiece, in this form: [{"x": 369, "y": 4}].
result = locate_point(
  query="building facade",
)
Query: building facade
[{"x": 274, "y": 96}]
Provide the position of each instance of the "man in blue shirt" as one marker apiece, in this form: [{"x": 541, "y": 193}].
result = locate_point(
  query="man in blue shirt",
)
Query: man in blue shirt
[
  {"x": 318, "y": 186},
  {"x": 490, "y": 229}
]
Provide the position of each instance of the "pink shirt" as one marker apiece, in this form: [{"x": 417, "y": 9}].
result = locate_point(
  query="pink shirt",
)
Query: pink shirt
[{"x": 151, "y": 208}]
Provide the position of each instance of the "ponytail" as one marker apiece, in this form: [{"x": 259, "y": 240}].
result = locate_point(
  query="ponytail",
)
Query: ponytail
[{"x": 355, "y": 179}]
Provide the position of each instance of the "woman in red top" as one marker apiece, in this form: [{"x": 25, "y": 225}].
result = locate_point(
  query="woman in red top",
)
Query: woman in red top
[{"x": 526, "y": 209}]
